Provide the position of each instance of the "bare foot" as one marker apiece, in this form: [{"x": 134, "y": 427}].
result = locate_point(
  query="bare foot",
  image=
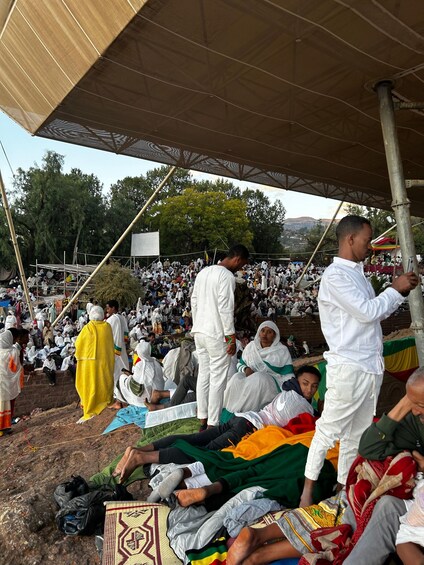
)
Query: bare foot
[
  {"x": 244, "y": 545},
  {"x": 116, "y": 405},
  {"x": 156, "y": 397},
  {"x": 131, "y": 459},
  {"x": 152, "y": 407},
  {"x": 191, "y": 496}
]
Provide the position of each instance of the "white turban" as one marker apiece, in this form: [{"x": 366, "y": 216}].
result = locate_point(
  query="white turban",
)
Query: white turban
[
  {"x": 96, "y": 313},
  {"x": 144, "y": 350}
]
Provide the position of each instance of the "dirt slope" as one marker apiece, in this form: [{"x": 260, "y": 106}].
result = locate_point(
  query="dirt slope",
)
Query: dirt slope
[{"x": 42, "y": 452}]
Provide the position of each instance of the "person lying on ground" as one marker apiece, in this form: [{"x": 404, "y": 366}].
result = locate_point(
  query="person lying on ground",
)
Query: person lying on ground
[
  {"x": 184, "y": 393},
  {"x": 180, "y": 365},
  {"x": 147, "y": 375},
  {"x": 401, "y": 429},
  {"x": 295, "y": 399}
]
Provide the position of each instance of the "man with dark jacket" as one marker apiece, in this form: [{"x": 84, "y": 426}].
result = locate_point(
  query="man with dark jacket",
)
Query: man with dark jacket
[{"x": 402, "y": 428}]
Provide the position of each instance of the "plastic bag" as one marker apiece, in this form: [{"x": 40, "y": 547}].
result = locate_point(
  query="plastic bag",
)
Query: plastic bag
[
  {"x": 70, "y": 489},
  {"x": 82, "y": 515}
]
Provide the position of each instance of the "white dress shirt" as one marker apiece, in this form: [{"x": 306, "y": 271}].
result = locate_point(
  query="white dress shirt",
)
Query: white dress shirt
[
  {"x": 350, "y": 315},
  {"x": 212, "y": 302}
]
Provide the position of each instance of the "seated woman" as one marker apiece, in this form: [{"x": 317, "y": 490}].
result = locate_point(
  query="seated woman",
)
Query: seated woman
[
  {"x": 295, "y": 399},
  {"x": 264, "y": 366},
  {"x": 147, "y": 376}
]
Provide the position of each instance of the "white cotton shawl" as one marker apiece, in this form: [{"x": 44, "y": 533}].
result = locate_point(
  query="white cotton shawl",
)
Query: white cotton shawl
[
  {"x": 276, "y": 355},
  {"x": 147, "y": 376}
]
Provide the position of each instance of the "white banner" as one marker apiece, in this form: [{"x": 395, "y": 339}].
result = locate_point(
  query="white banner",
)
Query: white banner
[{"x": 145, "y": 244}]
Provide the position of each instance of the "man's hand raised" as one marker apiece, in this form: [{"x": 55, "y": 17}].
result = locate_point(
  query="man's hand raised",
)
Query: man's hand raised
[{"x": 405, "y": 283}]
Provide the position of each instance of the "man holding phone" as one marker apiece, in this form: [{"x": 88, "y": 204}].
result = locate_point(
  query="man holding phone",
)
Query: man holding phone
[{"x": 350, "y": 316}]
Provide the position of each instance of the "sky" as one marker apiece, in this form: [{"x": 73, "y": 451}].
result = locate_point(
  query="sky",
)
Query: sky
[{"x": 23, "y": 150}]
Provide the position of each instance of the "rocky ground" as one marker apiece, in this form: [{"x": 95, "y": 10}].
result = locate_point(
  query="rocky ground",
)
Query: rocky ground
[{"x": 42, "y": 452}]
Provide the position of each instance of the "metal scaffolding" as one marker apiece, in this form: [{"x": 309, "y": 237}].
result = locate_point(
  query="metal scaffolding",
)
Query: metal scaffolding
[{"x": 400, "y": 205}]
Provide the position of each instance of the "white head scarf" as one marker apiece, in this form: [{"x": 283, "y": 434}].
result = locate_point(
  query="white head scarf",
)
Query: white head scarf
[
  {"x": 271, "y": 326},
  {"x": 96, "y": 313},
  {"x": 276, "y": 354},
  {"x": 147, "y": 372},
  {"x": 6, "y": 340},
  {"x": 144, "y": 350}
]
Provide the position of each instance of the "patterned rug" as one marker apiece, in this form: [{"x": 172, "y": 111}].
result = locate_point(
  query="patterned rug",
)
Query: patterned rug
[{"x": 135, "y": 534}]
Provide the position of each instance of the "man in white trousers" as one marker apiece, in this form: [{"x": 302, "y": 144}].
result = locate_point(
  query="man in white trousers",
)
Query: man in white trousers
[
  {"x": 350, "y": 316},
  {"x": 120, "y": 337},
  {"x": 212, "y": 304}
]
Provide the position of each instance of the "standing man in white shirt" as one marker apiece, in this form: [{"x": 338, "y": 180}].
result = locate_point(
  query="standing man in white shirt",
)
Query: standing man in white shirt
[
  {"x": 120, "y": 337},
  {"x": 350, "y": 316},
  {"x": 212, "y": 305}
]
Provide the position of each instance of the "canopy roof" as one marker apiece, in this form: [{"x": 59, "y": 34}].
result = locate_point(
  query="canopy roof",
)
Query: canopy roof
[{"x": 278, "y": 92}]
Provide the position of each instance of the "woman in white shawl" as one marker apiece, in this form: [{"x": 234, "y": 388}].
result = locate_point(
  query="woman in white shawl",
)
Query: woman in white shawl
[
  {"x": 10, "y": 371},
  {"x": 264, "y": 366},
  {"x": 147, "y": 376}
]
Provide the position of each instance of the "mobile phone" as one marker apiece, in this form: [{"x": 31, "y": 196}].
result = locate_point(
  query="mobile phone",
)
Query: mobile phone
[{"x": 410, "y": 265}]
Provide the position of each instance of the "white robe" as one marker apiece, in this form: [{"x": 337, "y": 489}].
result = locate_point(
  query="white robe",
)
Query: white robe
[{"x": 119, "y": 330}]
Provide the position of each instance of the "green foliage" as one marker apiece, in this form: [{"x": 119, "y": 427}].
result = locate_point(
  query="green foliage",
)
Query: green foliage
[
  {"x": 114, "y": 282},
  {"x": 7, "y": 254},
  {"x": 377, "y": 283},
  {"x": 201, "y": 220},
  {"x": 56, "y": 212},
  {"x": 266, "y": 221},
  {"x": 329, "y": 245}
]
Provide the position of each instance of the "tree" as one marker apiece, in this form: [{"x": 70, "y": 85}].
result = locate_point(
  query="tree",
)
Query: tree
[
  {"x": 266, "y": 221},
  {"x": 114, "y": 282},
  {"x": 7, "y": 254},
  {"x": 129, "y": 195},
  {"x": 328, "y": 246},
  {"x": 56, "y": 212},
  {"x": 201, "y": 220},
  {"x": 381, "y": 220},
  {"x": 219, "y": 185}
]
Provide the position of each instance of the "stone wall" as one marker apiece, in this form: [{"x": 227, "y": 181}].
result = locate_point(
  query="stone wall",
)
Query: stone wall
[
  {"x": 38, "y": 393},
  {"x": 309, "y": 328}
]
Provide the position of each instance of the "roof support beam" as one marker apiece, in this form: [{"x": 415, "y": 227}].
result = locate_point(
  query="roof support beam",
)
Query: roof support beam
[{"x": 400, "y": 205}]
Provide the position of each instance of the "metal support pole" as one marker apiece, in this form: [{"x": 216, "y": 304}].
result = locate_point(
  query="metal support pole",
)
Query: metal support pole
[
  {"x": 64, "y": 274},
  {"x": 120, "y": 240},
  {"x": 324, "y": 235},
  {"x": 36, "y": 277},
  {"x": 400, "y": 206},
  {"x": 16, "y": 247}
]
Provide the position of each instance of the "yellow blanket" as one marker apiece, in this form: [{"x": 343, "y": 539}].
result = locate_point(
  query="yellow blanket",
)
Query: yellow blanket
[{"x": 269, "y": 438}]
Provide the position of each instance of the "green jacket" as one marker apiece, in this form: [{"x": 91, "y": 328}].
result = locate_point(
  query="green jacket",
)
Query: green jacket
[{"x": 387, "y": 437}]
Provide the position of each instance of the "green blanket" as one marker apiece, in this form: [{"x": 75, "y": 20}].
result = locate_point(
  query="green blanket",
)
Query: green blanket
[
  {"x": 186, "y": 426},
  {"x": 280, "y": 472}
]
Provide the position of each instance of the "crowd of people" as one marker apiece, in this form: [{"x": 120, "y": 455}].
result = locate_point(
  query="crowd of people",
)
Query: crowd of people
[{"x": 257, "y": 425}]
